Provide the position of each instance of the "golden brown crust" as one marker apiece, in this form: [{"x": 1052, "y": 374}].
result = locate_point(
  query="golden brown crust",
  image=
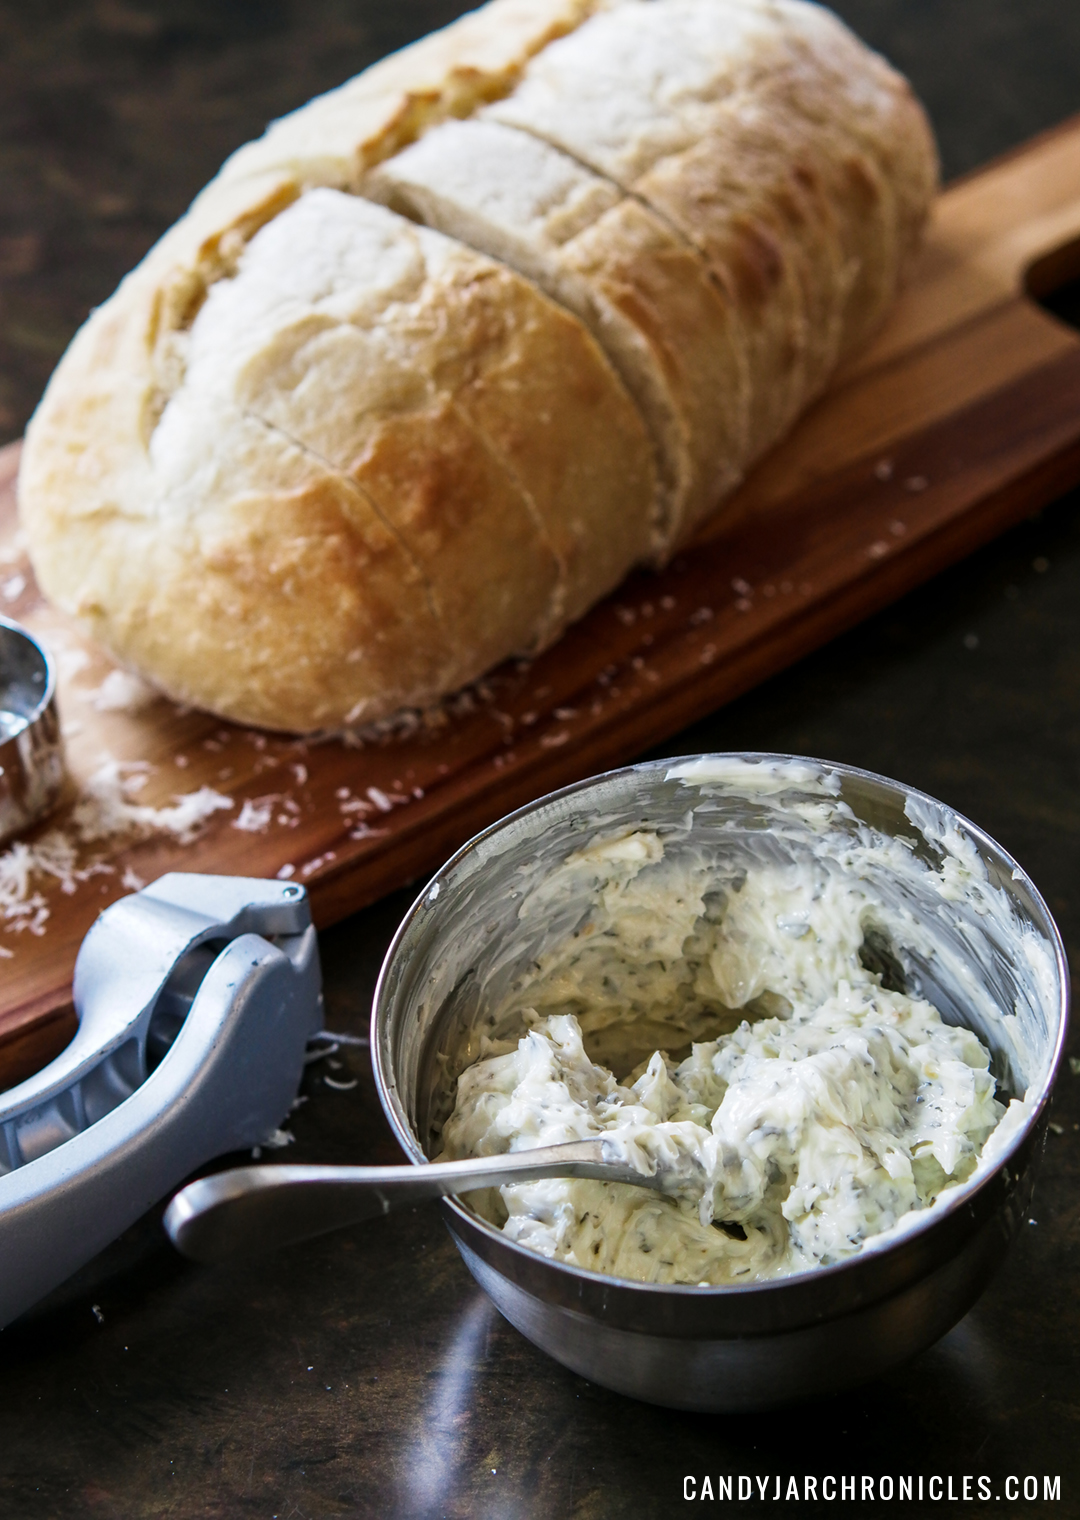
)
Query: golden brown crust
[
  {"x": 692, "y": 330},
  {"x": 797, "y": 164},
  {"x": 642, "y": 290},
  {"x": 313, "y": 463},
  {"x": 296, "y": 599},
  {"x": 340, "y": 510},
  {"x": 541, "y": 396}
]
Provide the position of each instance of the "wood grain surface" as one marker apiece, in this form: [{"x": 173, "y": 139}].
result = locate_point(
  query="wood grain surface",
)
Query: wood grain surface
[{"x": 963, "y": 417}]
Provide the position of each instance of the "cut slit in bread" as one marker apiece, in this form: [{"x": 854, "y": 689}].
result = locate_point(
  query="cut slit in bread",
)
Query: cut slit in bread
[
  {"x": 314, "y": 462},
  {"x": 429, "y": 378},
  {"x": 645, "y": 294},
  {"x": 796, "y": 162}
]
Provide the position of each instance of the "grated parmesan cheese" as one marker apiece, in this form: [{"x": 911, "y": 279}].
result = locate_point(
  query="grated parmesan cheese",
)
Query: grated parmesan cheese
[
  {"x": 256, "y": 814},
  {"x": 105, "y": 810},
  {"x": 122, "y": 692}
]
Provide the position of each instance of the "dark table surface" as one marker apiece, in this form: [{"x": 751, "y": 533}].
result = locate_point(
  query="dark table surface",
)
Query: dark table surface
[{"x": 365, "y": 1374}]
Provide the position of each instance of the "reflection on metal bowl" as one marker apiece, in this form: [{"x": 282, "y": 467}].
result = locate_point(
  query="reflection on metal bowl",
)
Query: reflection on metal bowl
[
  {"x": 31, "y": 750},
  {"x": 773, "y": 1341}
]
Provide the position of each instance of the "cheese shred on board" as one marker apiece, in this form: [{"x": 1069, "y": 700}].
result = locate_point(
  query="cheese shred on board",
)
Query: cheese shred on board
[{"x": 105, "y": 810}]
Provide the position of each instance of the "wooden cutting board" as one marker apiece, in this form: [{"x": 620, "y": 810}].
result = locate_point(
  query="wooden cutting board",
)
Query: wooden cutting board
[{"x": 962, "y": 418}]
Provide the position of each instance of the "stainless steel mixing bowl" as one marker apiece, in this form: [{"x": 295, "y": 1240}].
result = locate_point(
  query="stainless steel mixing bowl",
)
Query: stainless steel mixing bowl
[{"x": 732, "y": 1348}]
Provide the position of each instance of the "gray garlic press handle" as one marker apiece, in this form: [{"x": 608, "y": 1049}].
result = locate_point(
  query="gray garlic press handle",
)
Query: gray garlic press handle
[{"x": 196, "y": 998}]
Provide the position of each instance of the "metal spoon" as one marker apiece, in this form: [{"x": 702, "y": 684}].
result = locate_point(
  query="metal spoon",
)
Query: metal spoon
[{"x": 256, "y": 1208}]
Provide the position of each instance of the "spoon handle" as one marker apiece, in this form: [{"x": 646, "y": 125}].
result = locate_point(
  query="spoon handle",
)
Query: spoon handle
[{"x": 253, "y": 1209}]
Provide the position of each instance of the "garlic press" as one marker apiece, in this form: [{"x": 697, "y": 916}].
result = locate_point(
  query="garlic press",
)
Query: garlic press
[{"x": 195, "y": 999}]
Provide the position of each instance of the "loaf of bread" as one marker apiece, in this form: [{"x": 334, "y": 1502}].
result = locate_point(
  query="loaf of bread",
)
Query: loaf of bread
[{"x": 430, "y": 366}]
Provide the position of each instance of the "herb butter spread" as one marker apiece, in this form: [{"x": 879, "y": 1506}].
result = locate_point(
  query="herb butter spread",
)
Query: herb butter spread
[{"x": 737, "y": 1028}]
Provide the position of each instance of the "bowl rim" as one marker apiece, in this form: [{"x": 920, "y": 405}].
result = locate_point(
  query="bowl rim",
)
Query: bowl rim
[{"x": 952, "y": 1203}]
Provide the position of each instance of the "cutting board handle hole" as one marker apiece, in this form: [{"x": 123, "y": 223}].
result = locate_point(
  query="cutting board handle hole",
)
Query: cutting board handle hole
[{"x": 1053, "y": 281}]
